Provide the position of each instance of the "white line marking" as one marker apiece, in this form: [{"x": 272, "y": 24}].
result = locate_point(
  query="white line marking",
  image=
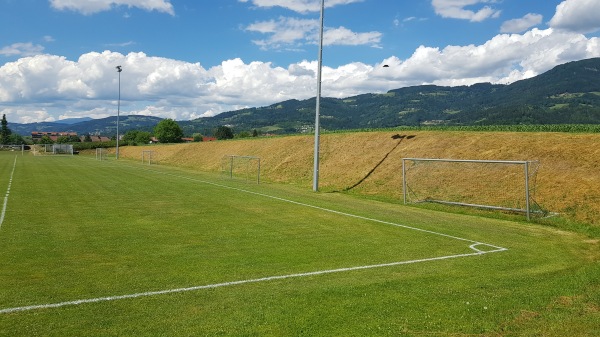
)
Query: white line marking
[
  {"x": 473, "y": 246},
  {"x": 226, "y": 284},
  {"x": 7, "y": 193}
]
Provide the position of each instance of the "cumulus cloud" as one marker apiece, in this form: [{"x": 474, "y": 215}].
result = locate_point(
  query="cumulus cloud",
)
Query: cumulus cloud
[
  {"x": 582, "y": 16},
  {"x": 456, "y": 9},
  {"x": 49, "y": 87},
  {"x": 22, "y": 49},
  {"x": 88, "y": 7},
  {"x": 522, "y": 24},
  {"x": 292, "y": 33},
  {"x": 300, "y": 6}
]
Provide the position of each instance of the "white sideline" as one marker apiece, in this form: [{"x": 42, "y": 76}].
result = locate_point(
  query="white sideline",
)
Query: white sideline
[
  {"x": 7, "y": 193},
  {"x": 473, "y": 246}
]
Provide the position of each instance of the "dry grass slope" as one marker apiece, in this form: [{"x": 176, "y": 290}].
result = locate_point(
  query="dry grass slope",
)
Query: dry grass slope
[{"x": 568, "y": 181}]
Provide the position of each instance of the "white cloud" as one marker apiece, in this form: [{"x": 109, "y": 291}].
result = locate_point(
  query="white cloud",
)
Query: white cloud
[
  {"x": 295, "y": 33},
  {"x": 582, "y": 16},
  {"x": 505, "y": 58},
  {"x": 21, "y": 49},
  {"x": 48, "y": 87},
  {"x": 522, "y": 24},
  {"x": 456, "y": 9},
  {"x": 88, "y": 7},
  {"x": 300, "y": 6}
]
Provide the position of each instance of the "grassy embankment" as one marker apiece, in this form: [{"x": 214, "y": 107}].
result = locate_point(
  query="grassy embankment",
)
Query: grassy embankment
[{"x": 568, "y": 181}]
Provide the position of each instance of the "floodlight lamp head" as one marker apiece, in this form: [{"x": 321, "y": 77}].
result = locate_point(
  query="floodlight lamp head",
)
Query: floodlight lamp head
[{"x": 119, "y": 68}]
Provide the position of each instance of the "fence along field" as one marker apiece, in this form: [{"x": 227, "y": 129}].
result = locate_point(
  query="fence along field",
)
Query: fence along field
[{"x": 103, "y": 229}]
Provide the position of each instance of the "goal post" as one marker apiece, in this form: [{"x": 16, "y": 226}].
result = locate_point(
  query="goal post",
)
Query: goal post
[
  {"x": 244, "y": 167},
  {"x": 13, "y": 148},
  {"x": 62, "y": 149},
  {"x": 100, "y": 153},
  {"x": 147, "y": 157},
  {"x": 491, "y": 184}
]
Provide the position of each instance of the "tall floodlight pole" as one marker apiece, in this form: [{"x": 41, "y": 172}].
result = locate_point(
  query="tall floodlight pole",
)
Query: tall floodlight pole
[
  {"x": 118, "y": 110},
  {"x": 318, "y": 107}
]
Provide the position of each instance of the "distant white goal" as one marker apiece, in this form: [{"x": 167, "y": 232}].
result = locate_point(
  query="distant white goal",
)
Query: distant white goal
[
  {"x": 64, "y": 149},
  {"x": 241, "y": 167},
  {"x": 147, "y": 157},
  {"x": 491, "y": 184},
  {"x": 100, "y": 153},
  {"x": 12, "y": 148}
]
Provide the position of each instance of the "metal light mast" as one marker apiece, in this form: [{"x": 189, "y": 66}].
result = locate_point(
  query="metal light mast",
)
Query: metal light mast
[
  {"x": 118, "y": 110},
  {"x": 318, "y": 107}
]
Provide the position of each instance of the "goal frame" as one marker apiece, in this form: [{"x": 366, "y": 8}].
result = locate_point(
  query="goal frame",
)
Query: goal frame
[
  {"x": 100, "y": 153},
  {"x": 228, "y": 166},
  {"x": 526, "y": 173},
  {"x": 13, "y": 147},
  {"x": 147, "y": 155},
  {"x": 62, "y": 149}
]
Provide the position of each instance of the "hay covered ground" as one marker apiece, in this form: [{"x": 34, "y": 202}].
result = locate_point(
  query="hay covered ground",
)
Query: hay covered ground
[{"x": 568, "y": 180}]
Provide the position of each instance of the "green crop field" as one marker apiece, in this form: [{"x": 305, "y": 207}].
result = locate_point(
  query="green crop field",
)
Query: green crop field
[{"x": 114, "y": 248}]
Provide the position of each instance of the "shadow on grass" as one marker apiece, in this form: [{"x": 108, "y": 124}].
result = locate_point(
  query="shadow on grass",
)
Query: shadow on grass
[{"x": 396, "y": 136}]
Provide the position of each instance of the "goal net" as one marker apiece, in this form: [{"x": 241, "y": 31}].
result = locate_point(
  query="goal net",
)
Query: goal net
[
  {"x": 52, "y": 149},
  {"x": 100, "y": 153},
  {"x": 12, "y": 148},
  {"x": 147, "y": 157},
  {"x": 241, "y": 167},
  {"x": 490, "y": 184},
  {"x": 66, "y": 149}
]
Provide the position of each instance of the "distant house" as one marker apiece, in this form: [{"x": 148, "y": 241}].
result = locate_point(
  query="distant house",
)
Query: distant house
[
  {"x": 37, "y": 135},
  {"x": 204, "y": 139},
  {"x": 187, "y": 139},
  {"x": 95, "y": 139}
]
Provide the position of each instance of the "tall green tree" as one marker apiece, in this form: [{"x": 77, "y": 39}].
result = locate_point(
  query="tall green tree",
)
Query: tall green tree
[
  {"x": 143, "y": 137},
  {"x": 46, "y": 140},
  {"x": 168, "y": 131},
  {"x": 5, "y": 131},
  {"x": 223, "y": 132}
]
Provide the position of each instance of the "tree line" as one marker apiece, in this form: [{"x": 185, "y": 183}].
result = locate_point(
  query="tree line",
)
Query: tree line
[{"x": 165, "y": 131}]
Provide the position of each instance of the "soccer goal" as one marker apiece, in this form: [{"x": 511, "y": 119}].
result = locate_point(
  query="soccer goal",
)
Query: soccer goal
[
  {"x": 62, "y": 149},
  {"x": 13, "y": 148},
  {"x": 147, "y": 157},
  {"x": 241, "y": 167},
  {"x": 100, "y": 153},
  {"x": 490, "y": 184}
]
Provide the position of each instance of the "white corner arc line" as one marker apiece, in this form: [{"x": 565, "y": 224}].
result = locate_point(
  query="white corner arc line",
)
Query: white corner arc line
[{"x": 7, "y": 192}]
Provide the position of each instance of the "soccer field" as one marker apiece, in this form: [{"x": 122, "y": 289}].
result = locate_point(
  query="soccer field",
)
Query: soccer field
[{"x": 118, "y": 248}]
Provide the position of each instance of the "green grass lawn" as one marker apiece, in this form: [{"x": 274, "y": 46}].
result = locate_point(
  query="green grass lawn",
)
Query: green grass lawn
[{"x": 80, "y": 229}]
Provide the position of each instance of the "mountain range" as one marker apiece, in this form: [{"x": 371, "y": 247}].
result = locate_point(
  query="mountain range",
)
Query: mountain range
[{"x": 567, "y": 94}]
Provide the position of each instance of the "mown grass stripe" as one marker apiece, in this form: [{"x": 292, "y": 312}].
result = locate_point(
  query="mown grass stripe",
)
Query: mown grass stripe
[
  {"x": 7, "y": 193},
  {"x": 233, "y": 283}
]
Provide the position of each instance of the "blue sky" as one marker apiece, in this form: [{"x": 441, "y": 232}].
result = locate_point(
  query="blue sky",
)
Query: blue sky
[{"x": 186, "y": 59}]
